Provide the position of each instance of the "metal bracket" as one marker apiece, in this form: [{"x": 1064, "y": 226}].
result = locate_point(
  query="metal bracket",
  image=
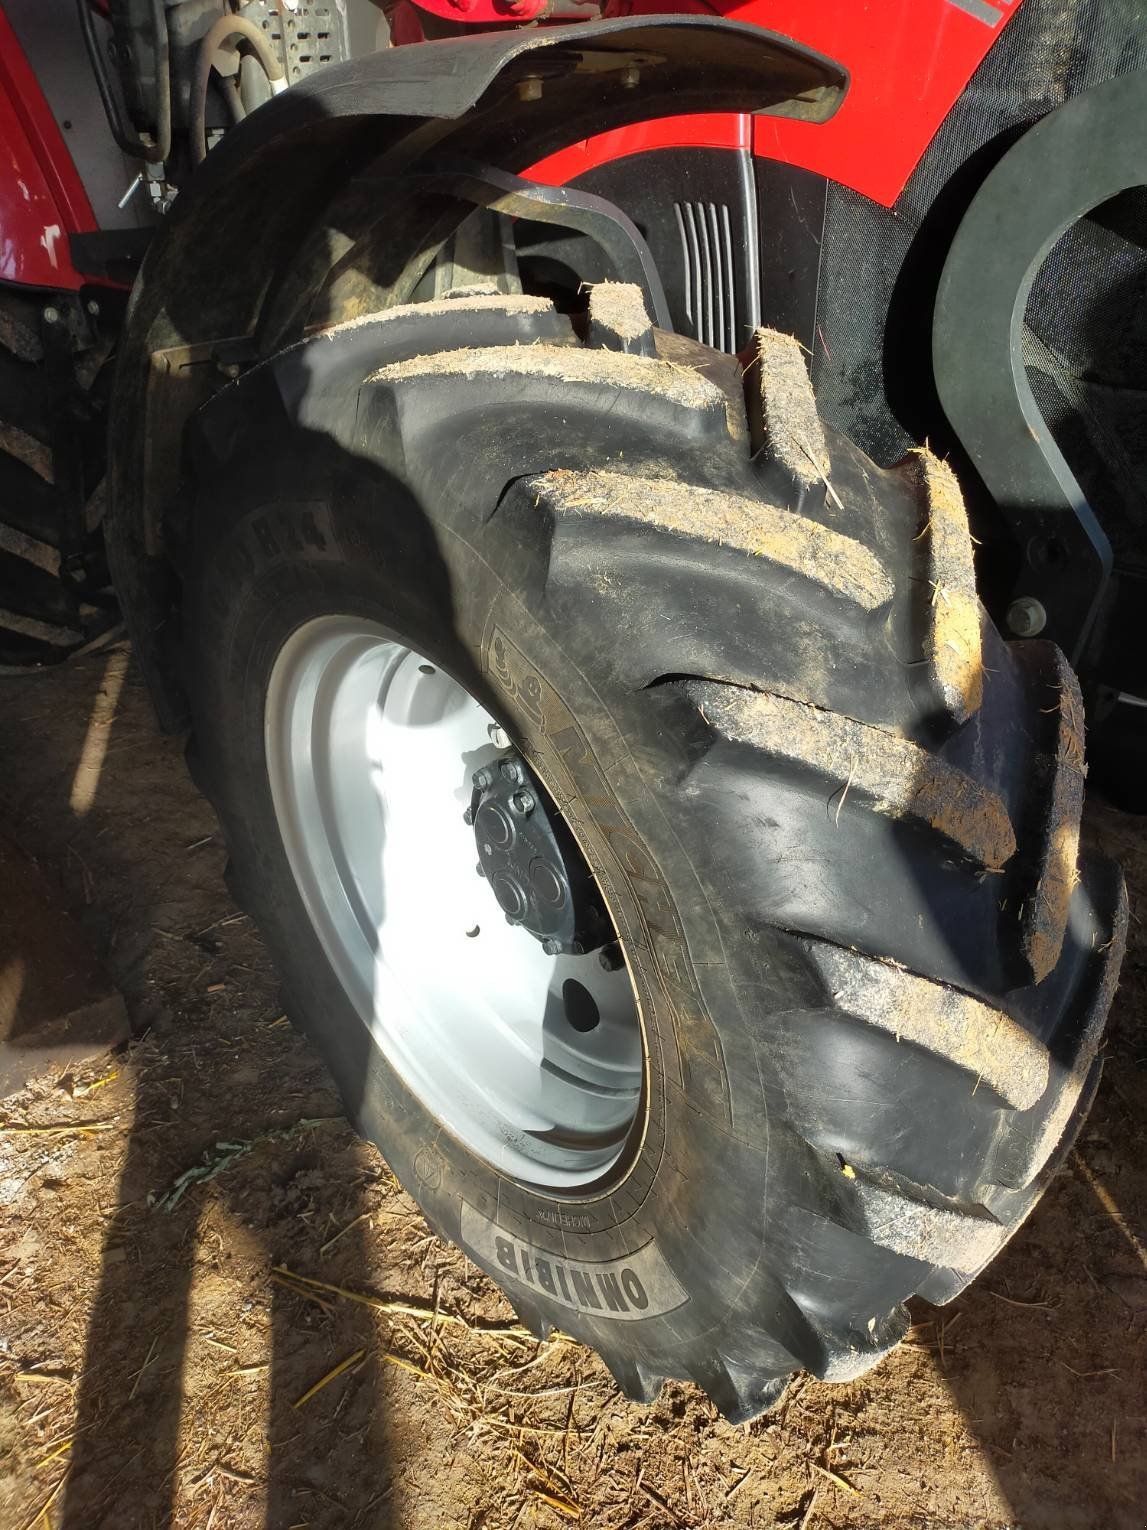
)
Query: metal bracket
[
  {"x": 601, "y": 221},
  {"x": 1079, "y": 156},
  {"x": 181, "y": 378}
]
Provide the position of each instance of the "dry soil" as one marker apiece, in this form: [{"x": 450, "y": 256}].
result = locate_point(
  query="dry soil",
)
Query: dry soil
[{"x": 158, "y": 1366}]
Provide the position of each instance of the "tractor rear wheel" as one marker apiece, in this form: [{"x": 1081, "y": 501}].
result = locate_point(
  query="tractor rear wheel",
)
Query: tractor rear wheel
[{"x": 677, "y": 870}]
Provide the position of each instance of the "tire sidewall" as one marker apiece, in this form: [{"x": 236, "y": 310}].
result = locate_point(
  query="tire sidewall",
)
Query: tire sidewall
[{"x": 684, "y": 1227}]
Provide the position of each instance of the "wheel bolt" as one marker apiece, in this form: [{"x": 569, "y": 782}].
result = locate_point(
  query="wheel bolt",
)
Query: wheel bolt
[
  {"x": 468, "y": 816},
  {"x": 1027, "y": 617},
  {"x": 511, "y": 770},
  {"x": 482, "y": 779},
  {"x": 551, "y": 947},
  {"x": 480, "y": 869},
  {"x": 498, "y": 736},
  {"x": 523, "y": 803},
  {"x": 610, "y": 957}
]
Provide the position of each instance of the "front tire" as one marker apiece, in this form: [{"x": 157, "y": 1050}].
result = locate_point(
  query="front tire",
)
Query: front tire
[{"x": 832, "y": 815}]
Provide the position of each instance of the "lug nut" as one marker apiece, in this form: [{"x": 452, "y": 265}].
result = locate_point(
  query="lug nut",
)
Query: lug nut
[
  {"x": 610, "y": 957},
  {"x": 468, "y": 816},
  {"x": 551, "y": 947},
  {"x": 523, "y": 802},
  {"x": 1027, "y": 616},
  {"x": 498, "y": 736},
  {"x": 482, "y": 779},
  {"x": 511, "y": 770},
  {"x": 480, "y": 869}
]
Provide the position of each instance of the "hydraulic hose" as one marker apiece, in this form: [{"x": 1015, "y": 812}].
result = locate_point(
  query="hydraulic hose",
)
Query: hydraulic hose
[{"x": 224, "y": 29}]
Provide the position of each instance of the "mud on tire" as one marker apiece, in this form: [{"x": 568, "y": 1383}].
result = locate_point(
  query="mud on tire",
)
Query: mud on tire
[{"x": 834, "y": 815}]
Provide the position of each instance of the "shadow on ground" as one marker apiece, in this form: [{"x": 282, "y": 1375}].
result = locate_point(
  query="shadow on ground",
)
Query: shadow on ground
[{"x": 103, "y": 803}]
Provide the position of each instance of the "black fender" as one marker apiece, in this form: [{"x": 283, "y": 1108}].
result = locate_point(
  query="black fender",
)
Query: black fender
[
  {"x": 318, "y": 195},
  {"x": 1074, "y": 159}
]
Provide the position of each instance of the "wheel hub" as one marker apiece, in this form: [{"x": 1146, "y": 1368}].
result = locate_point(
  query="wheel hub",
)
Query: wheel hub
[
  {"x": 528, "y": 1053},
  {"x": 534, "y": 867}
]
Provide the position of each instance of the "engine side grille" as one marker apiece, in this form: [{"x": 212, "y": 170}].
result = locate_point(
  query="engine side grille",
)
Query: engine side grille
[
  {"x": 697, "y": 209},
  {"x": 710, "y": 277}
]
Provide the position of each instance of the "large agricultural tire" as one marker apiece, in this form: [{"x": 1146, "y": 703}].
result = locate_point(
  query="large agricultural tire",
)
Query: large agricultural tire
[
  {"x": 48, "y": 612},
  {"x": 833, "y": 815},
  {"x": 38, "y": 621}
]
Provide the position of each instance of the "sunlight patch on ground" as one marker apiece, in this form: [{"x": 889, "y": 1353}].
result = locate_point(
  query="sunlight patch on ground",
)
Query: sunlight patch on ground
[{"x": 90, "y": 766}]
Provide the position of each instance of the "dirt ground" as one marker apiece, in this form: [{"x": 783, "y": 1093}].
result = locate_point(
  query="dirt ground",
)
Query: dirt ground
[{"x": 159, "y": 1365}]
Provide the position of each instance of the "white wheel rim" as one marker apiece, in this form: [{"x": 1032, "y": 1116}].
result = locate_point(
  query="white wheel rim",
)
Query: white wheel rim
[{"x": 370, "y": 752}]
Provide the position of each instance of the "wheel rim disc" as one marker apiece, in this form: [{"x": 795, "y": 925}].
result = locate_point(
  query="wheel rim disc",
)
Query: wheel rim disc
[{"x": 533, "y": 1062}]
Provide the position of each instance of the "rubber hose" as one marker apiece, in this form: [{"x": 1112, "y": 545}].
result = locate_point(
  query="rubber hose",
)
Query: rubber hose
[{"x": 223, "y": 30}]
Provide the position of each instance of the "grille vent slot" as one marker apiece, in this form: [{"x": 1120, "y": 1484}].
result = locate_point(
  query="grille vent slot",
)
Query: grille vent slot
[{"x": 710, "y": 276}]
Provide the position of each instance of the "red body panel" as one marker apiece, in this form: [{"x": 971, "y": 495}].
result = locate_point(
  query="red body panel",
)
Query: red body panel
[
  {"x": 42, "y": 199},
  {"x": 485, "y": 13},
  {"x": 909, "y": 62}
]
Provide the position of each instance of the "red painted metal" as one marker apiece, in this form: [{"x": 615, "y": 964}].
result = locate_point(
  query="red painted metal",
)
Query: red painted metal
[
  {"x": 486, "y": 13},
  {"x": 908, "y": 60},
  {"x": 42, "y": 199},
  {"x": 715, "y": 130},
  {"x": 406, "y": 24}
]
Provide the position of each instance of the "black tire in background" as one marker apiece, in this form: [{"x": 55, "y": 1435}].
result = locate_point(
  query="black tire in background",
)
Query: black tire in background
[
  {"x": 834, "y": 816},
  {"x": 39, "y": 623}
]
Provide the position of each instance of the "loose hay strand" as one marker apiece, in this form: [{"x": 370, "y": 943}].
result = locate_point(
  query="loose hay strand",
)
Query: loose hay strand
[
  {"x": 299, "y": 1290},
  {"x": 411, "y": 1309},
  {"x": 331, "y": 1375},
  {"x": 836, "y": 1479},
  {"x": 58, "y": 1128}
]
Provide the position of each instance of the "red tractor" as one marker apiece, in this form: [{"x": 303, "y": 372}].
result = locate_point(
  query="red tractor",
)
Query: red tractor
[{"x": 537, "y": 465}]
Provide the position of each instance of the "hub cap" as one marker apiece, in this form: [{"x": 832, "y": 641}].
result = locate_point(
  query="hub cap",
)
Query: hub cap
[{"x": 533, "y": 1060}]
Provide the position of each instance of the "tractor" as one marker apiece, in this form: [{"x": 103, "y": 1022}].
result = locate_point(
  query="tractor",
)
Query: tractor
[{"x": 632, "y": 507}]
